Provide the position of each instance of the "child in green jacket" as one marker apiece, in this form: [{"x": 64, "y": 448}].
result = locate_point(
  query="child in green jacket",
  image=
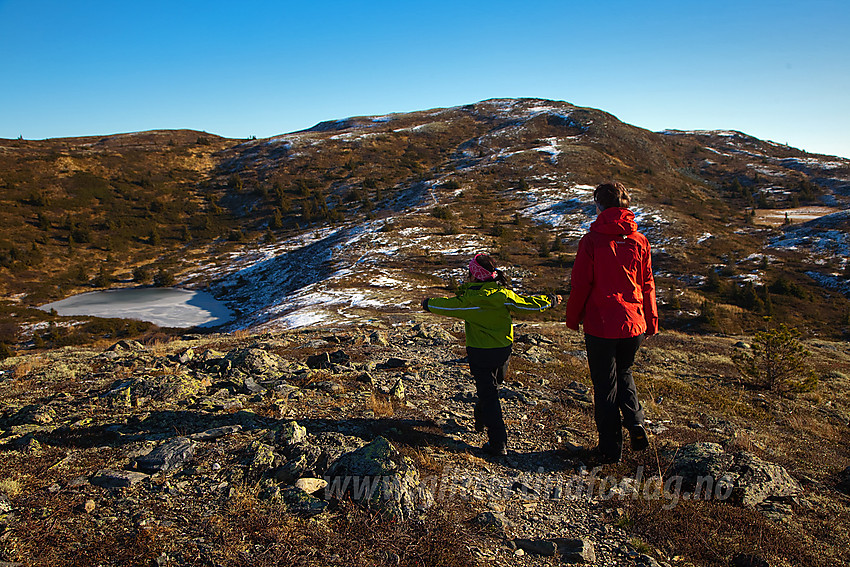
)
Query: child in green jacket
[{"x": 485, "y": 304}]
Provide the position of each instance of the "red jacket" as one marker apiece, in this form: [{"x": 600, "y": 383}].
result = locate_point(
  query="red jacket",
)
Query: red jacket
[{"x": 613, "y": 291}]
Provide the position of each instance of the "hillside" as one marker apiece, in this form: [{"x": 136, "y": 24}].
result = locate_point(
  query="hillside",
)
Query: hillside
[
  {"x": 213, "y": 450},
  {"x": 379, "y": 208}
]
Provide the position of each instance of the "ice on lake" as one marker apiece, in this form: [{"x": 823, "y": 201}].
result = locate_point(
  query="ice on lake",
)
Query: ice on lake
[{"x": 166, "y": 307}]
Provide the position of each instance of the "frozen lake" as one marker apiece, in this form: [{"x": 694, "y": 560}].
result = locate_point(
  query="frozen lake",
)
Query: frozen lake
[{"x": 166, "y": 307}]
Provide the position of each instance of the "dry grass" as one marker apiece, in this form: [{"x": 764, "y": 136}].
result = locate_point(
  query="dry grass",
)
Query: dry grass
[
  {"x": 381, "y": 405},
  {"x": 10, "y": 486},
  {"x": 712, "y": 534}
]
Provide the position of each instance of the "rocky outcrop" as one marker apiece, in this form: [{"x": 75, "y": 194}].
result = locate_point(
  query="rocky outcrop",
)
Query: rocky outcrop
[
  {"x": 740, "y": 477},
  {"x": 377, "y": 475}
]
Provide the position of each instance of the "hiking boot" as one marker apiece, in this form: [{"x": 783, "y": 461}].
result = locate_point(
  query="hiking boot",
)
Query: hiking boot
[
  {"x": 640, "y": 440},
  {"x": 497, "y": 450},
  {"x": 600, "y": 457}
]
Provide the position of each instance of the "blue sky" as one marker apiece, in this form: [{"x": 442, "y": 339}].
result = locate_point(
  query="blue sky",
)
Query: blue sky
[{"x": 778, "y": 70}]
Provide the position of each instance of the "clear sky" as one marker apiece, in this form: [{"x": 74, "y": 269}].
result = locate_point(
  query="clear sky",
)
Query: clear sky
[{"x": 777, "y": 69}]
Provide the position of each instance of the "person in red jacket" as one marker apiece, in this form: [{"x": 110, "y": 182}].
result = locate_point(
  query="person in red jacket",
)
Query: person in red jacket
[{"x": 613, "y": 296}]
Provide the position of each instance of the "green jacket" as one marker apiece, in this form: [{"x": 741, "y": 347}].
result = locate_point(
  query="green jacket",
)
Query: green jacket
[{"x": 486, "y": 309}]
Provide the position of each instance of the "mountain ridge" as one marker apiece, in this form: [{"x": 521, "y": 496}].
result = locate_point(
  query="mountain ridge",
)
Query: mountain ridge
[{"x": 511, "y": 175}]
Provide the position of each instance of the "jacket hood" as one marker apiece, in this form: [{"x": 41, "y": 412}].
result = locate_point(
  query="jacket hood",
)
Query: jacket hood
[{"x": 615, "y": 220}]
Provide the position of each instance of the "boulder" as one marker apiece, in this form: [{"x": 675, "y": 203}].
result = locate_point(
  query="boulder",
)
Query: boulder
[
  {"x": 125, "y": 345},
  {"x": 167, "y": 456},
  {"x": 215, "y": 433},
  {"x": 292, "y": 470},
  {"x": 311, "y": 485},
  {"x": 290, "y": 433},
  {"x": 167, "y": 387},
  {"x": 34, "y": 414},
  {"x": 332, "y": 445},
  {"x": 537, "y": 546},
  {"x": 576, "y": 550},
  {"x": 493, "y": 520},
  {"x": 263, "y": 456},
  {"x": 379, "y": 338},
  {"x": 434, "y": 333},
  {"x": 117, "y": 479},
  {"x": 327, "y": 359},
  {"x": 300, "y": 502},
  {"x": 254, "y": 362},
  {"x": 743, "y": 476},
  {"x": 392, "y": 363},
  {"x": 377, "y": 475}
]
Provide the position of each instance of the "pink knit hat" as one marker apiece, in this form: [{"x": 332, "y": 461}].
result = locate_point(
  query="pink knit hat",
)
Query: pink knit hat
[{"x": 479, "y": 272}]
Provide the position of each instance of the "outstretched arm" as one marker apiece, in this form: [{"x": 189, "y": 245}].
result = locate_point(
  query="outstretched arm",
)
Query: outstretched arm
[{"x": 517, "y": 302}]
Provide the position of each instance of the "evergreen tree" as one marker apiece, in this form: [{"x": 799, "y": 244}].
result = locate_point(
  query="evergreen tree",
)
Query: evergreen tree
[{"x": 277, "y": 220}]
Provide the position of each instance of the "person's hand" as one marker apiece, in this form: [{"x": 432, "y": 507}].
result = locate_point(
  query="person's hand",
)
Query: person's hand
[{"x": 558, "y": 300}]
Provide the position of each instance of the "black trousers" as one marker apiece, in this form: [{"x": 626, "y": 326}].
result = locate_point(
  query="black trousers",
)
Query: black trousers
[
  {"x": 614, "y": 391},
  {"x": 489, "y": 366}
]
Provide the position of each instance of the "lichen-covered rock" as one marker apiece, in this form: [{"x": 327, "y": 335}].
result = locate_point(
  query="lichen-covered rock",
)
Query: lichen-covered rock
[
  {"x": 742, "y": 477},
  {"x": 290, "y": 433},
  {"x": 167, "y": 456},
  {"x": 300, "y": 502},
  {"x": 291, "y": 470},
  {"x": 168, "y": 387},
  {"x": 254, "y": 362},
  {"x": 126, "y": 345},
  {"x": 377, "y": 475},
  {"x": 119, "y": 394},
  {"x": 327, "y": 359},
  {"x": 117, "y": 479},
  {"x": 34, "y": 414},
  {"x": 434, "y": 333},
  {"x": 262, "y": 457}
]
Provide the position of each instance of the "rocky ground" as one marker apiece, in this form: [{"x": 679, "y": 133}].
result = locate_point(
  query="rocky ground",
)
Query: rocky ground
[{"x": 217, "y": 450}]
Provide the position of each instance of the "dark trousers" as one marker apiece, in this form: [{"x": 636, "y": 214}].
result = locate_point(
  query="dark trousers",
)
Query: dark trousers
[
  {"x": 489, "y": 366},
  {"x": 614, "y": 391}
]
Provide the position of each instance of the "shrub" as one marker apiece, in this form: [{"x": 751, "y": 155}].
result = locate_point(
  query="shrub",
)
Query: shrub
[
  {"x": 708, "y": 315},
  {"x": 163, "y": 278},
  {"x": 141, "y": 274},
  {"x": 441, "y": 212},
  {"x": 778, "y": 361}
]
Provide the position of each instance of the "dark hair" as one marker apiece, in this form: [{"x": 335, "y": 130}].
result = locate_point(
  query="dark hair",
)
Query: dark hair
[
  {"x": 610, "y": 195},
  {"x": 486, "y": 262}
]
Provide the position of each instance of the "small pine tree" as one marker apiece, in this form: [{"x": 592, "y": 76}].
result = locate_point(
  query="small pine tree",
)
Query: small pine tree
[
  {"x": 778, "y": 361},
  {"x": 713, "y": 281},
  {"x": 103, "y": 279},
  {"x": 141, "y": 274},
  {"x": 708, "y": 315},
  {"x": 277, "y": 220},
  {"x": 543, "y": 247},
  {"x": 163, "y": 278},
  {"x": 557, "y": 244}
]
